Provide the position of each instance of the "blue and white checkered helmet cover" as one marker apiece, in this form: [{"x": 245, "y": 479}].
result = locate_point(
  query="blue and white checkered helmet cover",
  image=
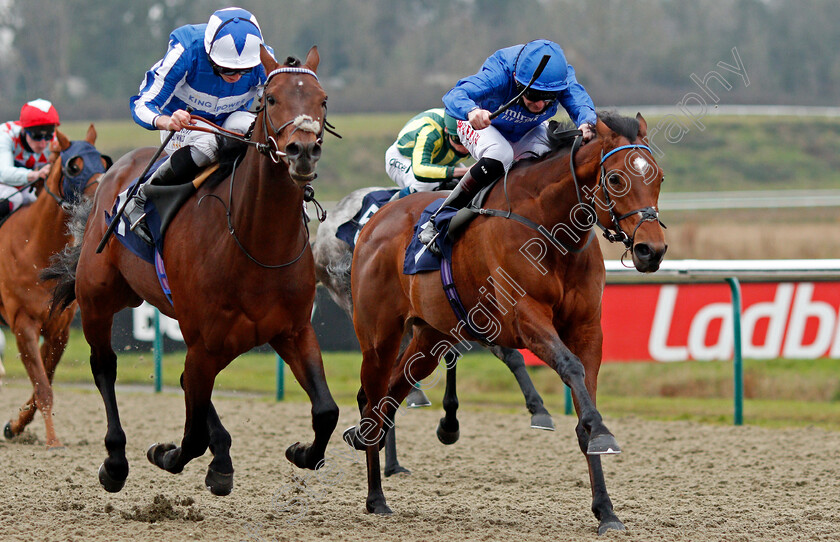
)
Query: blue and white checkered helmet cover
[{"x": 232, "y": 39}]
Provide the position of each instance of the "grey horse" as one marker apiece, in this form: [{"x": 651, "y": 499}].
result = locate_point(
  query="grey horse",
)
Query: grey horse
[{"x": 333, "y": 258}]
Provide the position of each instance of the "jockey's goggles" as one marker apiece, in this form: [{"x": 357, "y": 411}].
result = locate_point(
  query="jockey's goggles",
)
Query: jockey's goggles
[
  {"x": 230, "y": 72},
  {"x": 533, "y": 95},
  {"x": 40, "y": 135}
]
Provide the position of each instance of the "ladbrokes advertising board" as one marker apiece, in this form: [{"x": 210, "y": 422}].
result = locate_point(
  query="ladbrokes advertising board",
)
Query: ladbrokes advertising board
[{"x": 695, "y": 321}]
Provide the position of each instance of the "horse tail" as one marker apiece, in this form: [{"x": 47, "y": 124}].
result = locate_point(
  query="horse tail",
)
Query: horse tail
[{"x": 63, "y": 264}]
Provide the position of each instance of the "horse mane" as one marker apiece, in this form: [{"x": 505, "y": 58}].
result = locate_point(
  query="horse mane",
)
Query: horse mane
[
  {"x": 623, "y": 126},
  {"x": 292, "y": 62}
]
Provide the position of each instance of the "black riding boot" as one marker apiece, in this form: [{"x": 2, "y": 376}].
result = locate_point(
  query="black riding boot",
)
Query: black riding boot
[
  {"x": 179, "y": 168},
  {"x": 481, "y": 174}
]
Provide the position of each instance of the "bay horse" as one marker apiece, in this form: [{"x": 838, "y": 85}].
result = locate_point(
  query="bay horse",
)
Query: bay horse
[
  {"x": 540, "y": 286},
  {"x": 28, "y": 238},
  {"x": 240, "y": 272},
  {"x": 333, "y": 257}
]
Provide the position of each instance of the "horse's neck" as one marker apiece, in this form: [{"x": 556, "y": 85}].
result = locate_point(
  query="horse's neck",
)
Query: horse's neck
[
  {"x": 546, "y": 191},
  {"x": 266, "y": 199},
  {"x": 43, "y": 222}
]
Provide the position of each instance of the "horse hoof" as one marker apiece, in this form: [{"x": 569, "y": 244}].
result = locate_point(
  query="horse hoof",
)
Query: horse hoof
[
  {"x": 156, "y": 452},
  {"x": 614, "y": 525},
  {"x": 380, "y": 509},
  {"x": 447, "y": 437},
  {"x": 542, "y": 420},
  {"x": 111, "y": 485},
  {"x": 352, "y": 440},
  {"x": 298, "y": 454},
  {"x": 399, "y": 469},
  {"x": 603, "y": 445},
  {"x": 417, "y": 399},
  {"x": 7, "y": 431},
  {"x": 218, "y": 483}
]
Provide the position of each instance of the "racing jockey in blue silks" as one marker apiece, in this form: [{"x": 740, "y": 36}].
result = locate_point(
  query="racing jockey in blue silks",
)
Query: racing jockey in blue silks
[
  {"x": 215, "y": 69},
  {"x": 521, "y": 130}
]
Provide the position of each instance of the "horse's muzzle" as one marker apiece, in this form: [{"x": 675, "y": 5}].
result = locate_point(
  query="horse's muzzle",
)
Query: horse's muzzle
[
  {"x": 648, "y": 256},
  {"x": 302, "y": 158}
]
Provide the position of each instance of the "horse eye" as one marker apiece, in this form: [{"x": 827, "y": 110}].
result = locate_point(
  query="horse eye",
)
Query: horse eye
[
  {"x": 662, "y": 180},
  {"x": 270, "y": 100},
  {"x": 615, "y": 179},
  {"x": 74, "y": 168}
]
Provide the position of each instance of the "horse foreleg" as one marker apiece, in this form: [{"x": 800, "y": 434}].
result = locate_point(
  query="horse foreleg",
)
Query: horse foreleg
[
  {"x": 303, "y": 356},
  {"x": 586, "y": 342},
  {"x": 27, "y": 334},
  {"x": 540, "y": 418}
]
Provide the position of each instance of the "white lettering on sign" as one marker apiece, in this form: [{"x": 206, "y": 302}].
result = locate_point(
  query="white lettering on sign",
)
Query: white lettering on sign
[
  {"x": 803, "y": 309},
  {"x": 710, "y": 333}
]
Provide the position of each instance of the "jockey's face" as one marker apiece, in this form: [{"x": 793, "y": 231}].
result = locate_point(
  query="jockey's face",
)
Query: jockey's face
[
  {"x": 41, "y": 141},
  {"x": 231, "y": 78}
]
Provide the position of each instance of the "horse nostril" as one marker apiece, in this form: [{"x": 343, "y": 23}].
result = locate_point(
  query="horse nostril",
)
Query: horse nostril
[
  {"x": 316, "y": 151},
  {"x": 292, "y": 150},
  {"x": 642, "y": 251}
]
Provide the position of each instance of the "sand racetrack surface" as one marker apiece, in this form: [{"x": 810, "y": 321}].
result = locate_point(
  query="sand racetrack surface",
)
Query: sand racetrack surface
[{"x": 502, "y": 481}]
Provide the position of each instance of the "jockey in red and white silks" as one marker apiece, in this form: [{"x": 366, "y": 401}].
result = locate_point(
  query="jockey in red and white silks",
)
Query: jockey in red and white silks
[{"x": 25, "y": 153}]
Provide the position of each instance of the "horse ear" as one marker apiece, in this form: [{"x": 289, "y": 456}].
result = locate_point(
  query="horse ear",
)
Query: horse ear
[
  {"x": 63, "y": 142},
  {"x": 642, "y": 126},
  {"x": 603, "y": 130},
  {"x": 313, "y": 58},
  {"x": 267, "y": 60},
  {"x": 90, "y": 137}
]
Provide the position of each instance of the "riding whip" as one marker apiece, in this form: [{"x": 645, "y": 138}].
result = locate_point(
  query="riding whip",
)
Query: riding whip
[{"x": 116, "y": 218}]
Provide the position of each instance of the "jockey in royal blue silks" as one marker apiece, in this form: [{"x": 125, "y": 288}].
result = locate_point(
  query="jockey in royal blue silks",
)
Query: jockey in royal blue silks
[
  {"x": 215, "y": 69},
  {"x": 519, "y": 131}
]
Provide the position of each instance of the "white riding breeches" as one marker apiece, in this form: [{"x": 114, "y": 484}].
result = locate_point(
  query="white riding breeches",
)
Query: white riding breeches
[
  {"x": 490, "y": 143},
  {"x": 17, "y": 197},
  {"x": 204, "y": 143}
]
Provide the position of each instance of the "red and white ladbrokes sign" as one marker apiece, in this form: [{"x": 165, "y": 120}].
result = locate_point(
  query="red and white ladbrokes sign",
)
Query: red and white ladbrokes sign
[{"x": 694, "y": 322}]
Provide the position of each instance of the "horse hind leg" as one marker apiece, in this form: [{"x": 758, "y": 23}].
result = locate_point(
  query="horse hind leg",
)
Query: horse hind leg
[
  {"x": 219, "y": 479},
  {"x": 103, "y": 364},
  {"x": 200, "y": 370},
  {"x": 448, "y": 431},
  {"x": 540, "y": 417}
]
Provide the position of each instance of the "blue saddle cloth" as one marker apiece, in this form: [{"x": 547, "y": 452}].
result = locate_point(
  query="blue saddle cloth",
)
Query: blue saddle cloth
[
  {"x": 123, "y": 232},
  {"x": 417, "y": 257},
  {"x": 349, "y": 231},
  {"x": 132, "y": 242}
]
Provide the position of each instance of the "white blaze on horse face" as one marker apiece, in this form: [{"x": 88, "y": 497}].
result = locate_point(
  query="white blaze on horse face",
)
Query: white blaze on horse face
[
  {"x": 641, "y": 165},
  {"x": 307, "y": 124}
]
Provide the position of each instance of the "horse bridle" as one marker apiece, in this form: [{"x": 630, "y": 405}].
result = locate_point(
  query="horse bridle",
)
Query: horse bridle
[
  {"x": 271, "y": 149},
  {"x": 92, "y": 160},
  {"x": 616, "y": 234}
]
